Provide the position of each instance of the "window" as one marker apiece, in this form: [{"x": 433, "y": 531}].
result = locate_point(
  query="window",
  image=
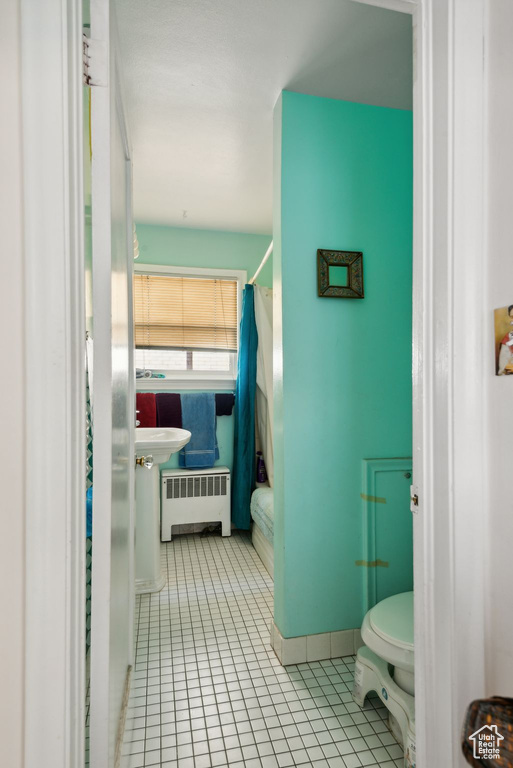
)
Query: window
[{"x": 187, "y": 322}]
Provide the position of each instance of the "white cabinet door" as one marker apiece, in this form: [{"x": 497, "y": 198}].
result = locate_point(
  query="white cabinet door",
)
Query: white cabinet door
[{"x": 113, "y": 400}]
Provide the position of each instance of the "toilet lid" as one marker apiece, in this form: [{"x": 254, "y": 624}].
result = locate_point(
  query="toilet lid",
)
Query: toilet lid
[{"x": 392, "y": 620}]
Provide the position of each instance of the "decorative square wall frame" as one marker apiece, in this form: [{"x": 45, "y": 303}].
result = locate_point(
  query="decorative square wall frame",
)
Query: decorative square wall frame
[{"x": 353, "y": 260}]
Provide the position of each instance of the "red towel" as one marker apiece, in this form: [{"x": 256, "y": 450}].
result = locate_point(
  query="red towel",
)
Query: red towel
[{"x": 145, "y": 404}]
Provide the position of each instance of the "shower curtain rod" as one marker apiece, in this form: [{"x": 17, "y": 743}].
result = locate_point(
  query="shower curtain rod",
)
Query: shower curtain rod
[{"x": 267, "y": 254}]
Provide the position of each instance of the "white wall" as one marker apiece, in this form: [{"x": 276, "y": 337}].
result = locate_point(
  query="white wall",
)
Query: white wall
[
  {"x": 12, "y": 504},
  {"x": 499, "y": 601}
]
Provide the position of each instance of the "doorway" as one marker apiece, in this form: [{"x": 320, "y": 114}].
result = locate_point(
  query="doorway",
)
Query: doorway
[{"x": 448, "y": 691}]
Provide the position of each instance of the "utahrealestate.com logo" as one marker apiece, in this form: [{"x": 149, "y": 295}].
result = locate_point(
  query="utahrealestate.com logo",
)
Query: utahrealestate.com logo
[{"x": 486, "y": 742}]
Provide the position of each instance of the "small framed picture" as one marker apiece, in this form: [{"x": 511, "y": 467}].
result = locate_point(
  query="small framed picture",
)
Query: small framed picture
[
  {"x": 504, "y": 341},
  {"x": 340, "y": 274}
]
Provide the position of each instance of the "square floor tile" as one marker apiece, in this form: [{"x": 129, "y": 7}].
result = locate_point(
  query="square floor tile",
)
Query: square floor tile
[{"x": 208, "y": 690}]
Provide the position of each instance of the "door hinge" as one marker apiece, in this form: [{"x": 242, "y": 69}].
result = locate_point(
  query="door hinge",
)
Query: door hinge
[
  {"x": 95, "y": 65},
  {"x": 414, "y": 499}
]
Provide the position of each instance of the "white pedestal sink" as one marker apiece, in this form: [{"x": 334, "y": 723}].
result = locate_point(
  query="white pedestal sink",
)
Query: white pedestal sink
[{"x": 157, "y": 444}]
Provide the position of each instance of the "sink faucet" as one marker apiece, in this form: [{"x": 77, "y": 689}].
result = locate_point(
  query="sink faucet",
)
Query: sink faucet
[{"x": 137, "y": 422}]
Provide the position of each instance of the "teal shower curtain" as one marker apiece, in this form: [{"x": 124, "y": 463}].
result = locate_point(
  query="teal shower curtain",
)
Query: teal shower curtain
[{"x": 243, "y": 480}]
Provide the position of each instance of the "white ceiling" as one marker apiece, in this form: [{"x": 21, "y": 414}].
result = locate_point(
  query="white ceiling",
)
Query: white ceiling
[{"x": 202, "y": 78}]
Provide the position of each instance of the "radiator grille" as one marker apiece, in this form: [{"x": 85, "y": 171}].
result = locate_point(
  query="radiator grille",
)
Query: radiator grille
[{"x": 194, "y": 487}]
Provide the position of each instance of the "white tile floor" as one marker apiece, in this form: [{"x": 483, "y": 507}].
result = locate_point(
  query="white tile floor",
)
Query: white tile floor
[{"x": 209, "y": 691}]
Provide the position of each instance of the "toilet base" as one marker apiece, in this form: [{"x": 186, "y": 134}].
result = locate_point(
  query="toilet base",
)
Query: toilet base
[
  {"x": 371, "y": 674},
  {"x": 394, "y": 726}
]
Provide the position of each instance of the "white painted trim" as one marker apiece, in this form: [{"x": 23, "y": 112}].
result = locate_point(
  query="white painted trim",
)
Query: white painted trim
[
  {"x": 240, "y": 275},
  {"x": 12, "y": 395},
  {"x": 448, "y": 381},
  {"x": 131, "y": 398},
  {"x": 448, "y": 445},
  {"x": 109, "y": 666},
  {"x": 403, "y": 6},
  {"x": 174, "y": 385},
  {"x": 421, "y": 348},
  {"x": 51, "y": 33}
]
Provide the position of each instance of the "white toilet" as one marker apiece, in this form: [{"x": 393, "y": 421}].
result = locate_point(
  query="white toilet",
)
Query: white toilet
[{"x": 386, "y": 665}]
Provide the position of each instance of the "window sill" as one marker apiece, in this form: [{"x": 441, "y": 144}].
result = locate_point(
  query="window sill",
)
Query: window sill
[{"x": 175, "y": 385}]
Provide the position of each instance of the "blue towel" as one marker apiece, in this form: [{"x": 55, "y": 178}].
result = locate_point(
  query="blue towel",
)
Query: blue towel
[{"x": 199, "y": 417}]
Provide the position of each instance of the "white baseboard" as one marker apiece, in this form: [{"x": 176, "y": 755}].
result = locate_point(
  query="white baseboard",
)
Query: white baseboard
[
  {"x": 124, "y": 721},
  {"x": 328, "y": 645},
  {"x": 145, "y": 587}
]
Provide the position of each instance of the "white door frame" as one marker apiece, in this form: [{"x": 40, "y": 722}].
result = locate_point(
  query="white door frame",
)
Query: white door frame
[
  {"x": 448, "y": 372},
  {"x": 54, "y": 429},
  {"x": 109, "y": 668},
  {"x": 12, "y": 394},
  {"x": 449, "y": 458}
]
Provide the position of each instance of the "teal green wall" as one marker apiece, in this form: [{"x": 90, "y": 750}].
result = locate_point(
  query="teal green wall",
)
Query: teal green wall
[
  {"x": 181, "y": 247},
  {"x": 343, "y": 181}
]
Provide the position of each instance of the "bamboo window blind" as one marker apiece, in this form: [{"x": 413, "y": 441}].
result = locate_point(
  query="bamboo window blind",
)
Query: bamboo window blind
[{"x": 185, "y": 313}]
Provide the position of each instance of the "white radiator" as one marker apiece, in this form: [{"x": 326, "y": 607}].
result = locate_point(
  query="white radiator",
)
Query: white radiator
[{"x": 195, "y": 496}]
